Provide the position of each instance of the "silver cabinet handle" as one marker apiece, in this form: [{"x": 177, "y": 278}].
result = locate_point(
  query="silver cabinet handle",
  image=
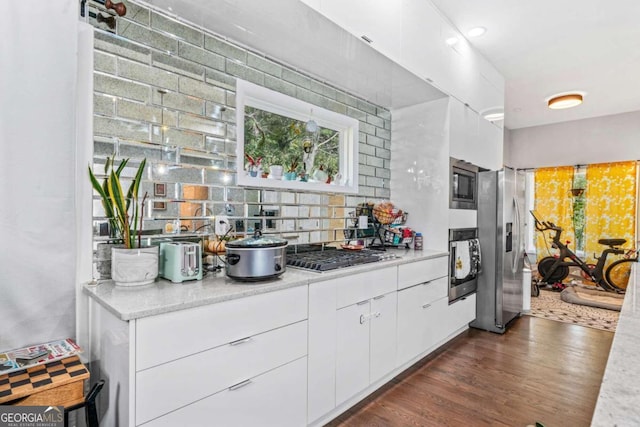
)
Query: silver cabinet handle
[
  {"x": 240, "y": 385},
  {"x": 363, "y": 319},
  {"x": 379, "y": 297},
  {"x": 363, "y": 302},
  {"x": 427, "y": 282},
  {"x": 242, "y": 341},
  {"x": 426, "y": 305}
]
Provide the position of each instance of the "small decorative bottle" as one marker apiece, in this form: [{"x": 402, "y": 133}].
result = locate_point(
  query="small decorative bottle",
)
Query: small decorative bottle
[{"x": 417, "y": 242}]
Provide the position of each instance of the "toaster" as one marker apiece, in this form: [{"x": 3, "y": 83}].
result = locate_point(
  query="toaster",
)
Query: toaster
[{"x": 180, "y": 261}]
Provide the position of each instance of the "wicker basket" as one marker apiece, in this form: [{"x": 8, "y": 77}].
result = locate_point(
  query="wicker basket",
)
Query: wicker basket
[{"x": 386, "y": 213}]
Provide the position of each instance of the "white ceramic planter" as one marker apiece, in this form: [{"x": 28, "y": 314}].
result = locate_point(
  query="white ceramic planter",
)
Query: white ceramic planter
[
  {"x": 103, "y": 259},
  {"x": 134, "y": 267}
]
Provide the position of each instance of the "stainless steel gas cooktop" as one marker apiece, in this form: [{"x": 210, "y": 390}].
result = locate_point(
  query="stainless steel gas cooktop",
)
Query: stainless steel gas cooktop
[{"x": 331, "y": 259}]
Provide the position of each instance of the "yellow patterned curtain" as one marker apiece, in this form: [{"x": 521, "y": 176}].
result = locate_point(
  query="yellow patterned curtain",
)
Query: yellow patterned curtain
[
  {"x": 553, "y": 203},
  {"x": 611, "y": 206}
]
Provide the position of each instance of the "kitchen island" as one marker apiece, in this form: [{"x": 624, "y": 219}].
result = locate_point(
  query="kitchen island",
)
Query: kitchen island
[{"x": 619, "y": 399}]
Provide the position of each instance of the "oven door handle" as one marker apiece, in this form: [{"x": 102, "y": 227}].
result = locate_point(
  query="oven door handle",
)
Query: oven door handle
[{"x": 452, "y": 262}]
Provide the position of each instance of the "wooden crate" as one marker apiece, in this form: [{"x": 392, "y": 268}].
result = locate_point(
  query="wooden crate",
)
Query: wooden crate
[{"x": 59, "y": 383}]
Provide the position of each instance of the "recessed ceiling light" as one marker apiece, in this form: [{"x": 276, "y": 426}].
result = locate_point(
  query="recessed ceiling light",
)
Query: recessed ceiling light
[
  {"x": 477, "y": 31},
  {"x": 451, "y": 41},
  {"x": 567, "y": 100}
]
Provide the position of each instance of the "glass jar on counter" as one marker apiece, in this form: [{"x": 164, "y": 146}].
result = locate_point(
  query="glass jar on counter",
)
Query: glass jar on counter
[{"x": 417, "y": 242}]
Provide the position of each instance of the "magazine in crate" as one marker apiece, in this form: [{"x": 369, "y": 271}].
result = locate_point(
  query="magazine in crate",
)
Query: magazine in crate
[{"x": 22, "y": 358}]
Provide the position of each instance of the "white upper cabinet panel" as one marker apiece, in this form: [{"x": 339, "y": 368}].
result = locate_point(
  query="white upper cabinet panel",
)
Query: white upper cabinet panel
[
  {"x": 490, "y": 140},
  {"x": 491, "y": 86},
  {"x": 463, "y": 133},
  {"x": 473, "y": 138},
  {"x": 459, "y": 62},
  {"x": 377, "y": 21},
  {"x": 417, "y": 36},
  {"x": 423, "y": 49}
]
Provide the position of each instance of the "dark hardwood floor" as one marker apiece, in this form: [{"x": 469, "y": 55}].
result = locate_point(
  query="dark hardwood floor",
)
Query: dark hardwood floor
[{"x": 539, "y": 370}]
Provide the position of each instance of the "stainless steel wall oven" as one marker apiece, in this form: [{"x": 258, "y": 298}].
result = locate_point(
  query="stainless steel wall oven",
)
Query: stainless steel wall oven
[{"x": 464, "y": 262}]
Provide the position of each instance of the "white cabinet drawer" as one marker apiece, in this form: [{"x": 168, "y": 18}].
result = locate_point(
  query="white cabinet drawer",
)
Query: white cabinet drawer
[
  {"x": 360, "y": 287},
  {"x": 420, "y": 319},
  {"x": 434, "y": 289},
  {"x": 461, "y": 313},
  {"x": 167, "y": 387},
  {"x": 177, "y": 334},
  {"x": 422, "y": 271},
  {"x": 276, "y": 398}
]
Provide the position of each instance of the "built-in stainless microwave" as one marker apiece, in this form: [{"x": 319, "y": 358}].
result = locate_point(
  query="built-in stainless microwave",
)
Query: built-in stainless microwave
[{"x": 463, "y": 185}]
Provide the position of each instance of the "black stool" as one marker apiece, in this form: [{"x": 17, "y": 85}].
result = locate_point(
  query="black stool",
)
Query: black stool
[{"x": 90, "y": 413}]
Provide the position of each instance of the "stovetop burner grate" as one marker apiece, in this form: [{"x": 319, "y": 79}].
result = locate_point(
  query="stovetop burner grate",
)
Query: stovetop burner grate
[{"x": 333, "y": 259}]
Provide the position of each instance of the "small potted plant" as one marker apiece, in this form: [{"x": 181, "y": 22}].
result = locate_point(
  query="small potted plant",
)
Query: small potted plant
[
  {"x": 132, "y": 264},
  {"x": 254, "y": 165},
  {"x": 320, "y": 174},
  {"x": 291, "y": 173}
]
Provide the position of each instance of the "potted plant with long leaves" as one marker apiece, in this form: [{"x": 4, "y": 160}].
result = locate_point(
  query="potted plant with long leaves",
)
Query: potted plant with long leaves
[{"x": 131, "y": 264}]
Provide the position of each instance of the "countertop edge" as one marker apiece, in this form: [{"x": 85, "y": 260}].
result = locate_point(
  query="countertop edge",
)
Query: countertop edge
[
  {"x": 618, "y": 401},
  {"x": 163, "y": 296}
]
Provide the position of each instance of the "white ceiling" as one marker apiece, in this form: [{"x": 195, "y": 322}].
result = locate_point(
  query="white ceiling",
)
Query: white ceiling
[{"x": 545, "y": 47}]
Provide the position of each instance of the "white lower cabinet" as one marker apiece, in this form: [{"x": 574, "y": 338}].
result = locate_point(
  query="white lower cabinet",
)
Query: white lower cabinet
[
  {"x": 352, "y": 350},
  {"x": 383, "y": 335},
  {"x": 322, "y": 349},
  {"x": 275, "y": 398},
  {"x": 365, "y": 344},
  {"x": 236, "y": 363},
  {"x": 172, "y": 385},
  {"x": 421, "y": 310}
]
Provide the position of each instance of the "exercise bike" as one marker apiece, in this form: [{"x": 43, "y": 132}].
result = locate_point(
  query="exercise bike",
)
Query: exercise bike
[{"x": 554, "y": 269}]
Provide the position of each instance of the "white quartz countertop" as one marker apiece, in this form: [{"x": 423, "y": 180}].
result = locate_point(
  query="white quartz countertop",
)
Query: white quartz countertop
[
  {"x": 619, "y": 399},
  {"x": 164, "y": 296}
]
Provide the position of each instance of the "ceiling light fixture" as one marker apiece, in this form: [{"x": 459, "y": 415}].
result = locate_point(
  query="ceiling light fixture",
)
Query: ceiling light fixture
[
  {"x": 568, "y": 100},
  {"x": 494, "y": 117},
  {"x": 477, "y": 31}
]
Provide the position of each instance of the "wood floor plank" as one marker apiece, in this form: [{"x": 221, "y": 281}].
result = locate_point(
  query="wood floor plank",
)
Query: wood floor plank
[{"x": 539, "y": 370}]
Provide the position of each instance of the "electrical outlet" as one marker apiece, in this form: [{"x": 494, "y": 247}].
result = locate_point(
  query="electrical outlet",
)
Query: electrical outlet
[{"x": 222, "y": 225}]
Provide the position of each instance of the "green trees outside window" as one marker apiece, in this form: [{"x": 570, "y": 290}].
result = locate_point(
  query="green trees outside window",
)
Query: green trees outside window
[{"x": 303, "y": 148}]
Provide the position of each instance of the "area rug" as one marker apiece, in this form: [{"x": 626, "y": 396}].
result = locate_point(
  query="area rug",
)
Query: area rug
[{"x": 549, "y": 306}]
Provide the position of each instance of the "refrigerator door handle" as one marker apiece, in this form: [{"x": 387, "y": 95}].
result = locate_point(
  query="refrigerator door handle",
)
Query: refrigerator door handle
[{"x": 516, "y": 253}]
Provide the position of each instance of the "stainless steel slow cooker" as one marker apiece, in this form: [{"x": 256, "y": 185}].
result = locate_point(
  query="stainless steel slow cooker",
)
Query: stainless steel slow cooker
[{"x": 256, "y": 258}]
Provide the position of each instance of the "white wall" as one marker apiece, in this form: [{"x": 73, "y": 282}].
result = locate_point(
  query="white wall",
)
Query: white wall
[
  {"x": 596, "y": 140},
  {"x": 37, "y": 166},
  {"x": 420, "y": 169}
]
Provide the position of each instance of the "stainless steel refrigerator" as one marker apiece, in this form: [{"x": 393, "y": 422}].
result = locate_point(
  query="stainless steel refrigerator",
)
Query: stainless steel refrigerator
[{"x": 501, "y": 234}]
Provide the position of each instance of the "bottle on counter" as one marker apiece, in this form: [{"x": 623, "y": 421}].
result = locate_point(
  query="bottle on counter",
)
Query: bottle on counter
[{"x": 417, "y": 242}]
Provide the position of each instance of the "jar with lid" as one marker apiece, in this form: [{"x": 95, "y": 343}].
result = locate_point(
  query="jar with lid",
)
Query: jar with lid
[{"x": 417, "y": 242}]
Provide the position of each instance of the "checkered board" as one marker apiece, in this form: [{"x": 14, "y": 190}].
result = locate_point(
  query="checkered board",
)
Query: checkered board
[{"x": 40, "y": 378}]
